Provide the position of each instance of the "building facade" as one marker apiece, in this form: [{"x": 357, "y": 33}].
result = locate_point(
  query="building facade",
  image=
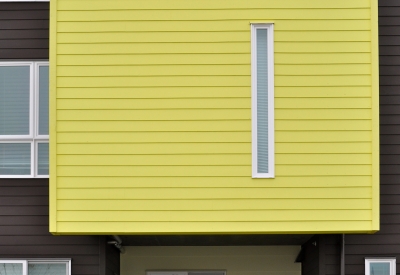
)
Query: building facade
[{"x": 202, "y": 133}]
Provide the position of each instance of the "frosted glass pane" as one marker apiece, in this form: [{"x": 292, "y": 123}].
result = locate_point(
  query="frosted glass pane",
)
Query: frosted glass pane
[
  {"x": 15, "y": 158},
  {"x": 43, "y": 159},
  {"x": 11, "y": 269},
  {"x": 262, "y": 100},
  {"x": 14, "y": 100},
  {"x": 47, "y": 269},
  {"x": 43, "y": 100},
  {"x": 379, "y": 268}
]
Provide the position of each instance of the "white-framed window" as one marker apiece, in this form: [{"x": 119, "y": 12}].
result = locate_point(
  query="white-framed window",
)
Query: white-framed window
[
  {"x": 380, "y": 266},
  {"x": 24, "y": 119},
  {"x": 262, "y": 87},
  {"x": 36, "y": 267}
]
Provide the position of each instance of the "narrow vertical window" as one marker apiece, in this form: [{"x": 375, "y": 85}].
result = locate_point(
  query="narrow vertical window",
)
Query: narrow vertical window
[
  {"x": 380, "y": 266},
  {"x": 262, "y": 72}
]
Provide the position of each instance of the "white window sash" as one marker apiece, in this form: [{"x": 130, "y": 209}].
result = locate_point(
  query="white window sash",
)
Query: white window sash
[{"x": 24, "y": 264}]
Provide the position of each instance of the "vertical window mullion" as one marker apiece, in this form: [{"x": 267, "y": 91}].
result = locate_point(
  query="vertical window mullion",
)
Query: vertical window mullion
[
  {"x": 33, "y": 156},
  {"x": 35, "y": 119},
  {"x": 32, "y": 118},
  {"x": 25, "y": 268},
  {"x": 31, "y": 102}
]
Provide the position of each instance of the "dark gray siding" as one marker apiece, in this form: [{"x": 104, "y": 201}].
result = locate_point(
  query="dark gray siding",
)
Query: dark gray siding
[
  {"x": 24, "y": 30},
  {"x": 331, "y": 254},
  {"x": 385, "y": 243},
  {"x": 24, "y": 229}
]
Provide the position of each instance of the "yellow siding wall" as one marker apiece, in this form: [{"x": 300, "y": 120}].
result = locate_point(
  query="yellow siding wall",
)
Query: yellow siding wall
[{"x": 151, "y": 117}]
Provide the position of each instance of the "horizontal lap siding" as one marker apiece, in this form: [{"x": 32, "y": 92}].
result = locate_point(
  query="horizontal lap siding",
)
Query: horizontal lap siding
[
  {"x": 386, "y": 242},
  {"x": 153, "y": 113},
  {"x": 24, "y": 31}
]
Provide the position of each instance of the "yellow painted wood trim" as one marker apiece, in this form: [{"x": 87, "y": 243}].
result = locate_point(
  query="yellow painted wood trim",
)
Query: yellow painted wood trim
[
  {"x": 53, "y": 119},
  {"x": 375, "y": 112}
]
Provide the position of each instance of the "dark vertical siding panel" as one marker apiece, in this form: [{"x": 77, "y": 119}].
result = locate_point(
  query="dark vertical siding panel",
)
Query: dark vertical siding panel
[
  {"x": 24, "y": 229},
  {"x": 24, "y": 30}
]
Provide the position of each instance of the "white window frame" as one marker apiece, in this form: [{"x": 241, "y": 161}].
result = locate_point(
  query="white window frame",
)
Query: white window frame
[
  {"x": 271, "y": 131},
  {"x": 33, "y": 137},
  {"x": 391, "y": 261},
  {"x": 26, "y": 262}
]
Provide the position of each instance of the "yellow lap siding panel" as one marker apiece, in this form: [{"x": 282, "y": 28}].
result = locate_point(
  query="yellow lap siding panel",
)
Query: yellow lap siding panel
[
  {"x": 217, "y": 227},
  {"x": 210, "y": 92},
  {"x": 210, "y": 170},
  {"x": 153, "y": 92},
  {"x": 218, "y": 25},
  {"x": 186, "y": 70},
  {"x": 216, "y": 193},
  {"x": 121, "y": 182},
  {"x": 222, "y": 137},
  {"x": 211, "y": 46},
  {"x": 151, "y": 118},
  {"x": 215, "y": 215},
  {"x": 210, "y": 4},
  {"x": 210, "y": 205},
  {"x": 156, "y": 137},
  {"x": 213, "y": 14}
]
